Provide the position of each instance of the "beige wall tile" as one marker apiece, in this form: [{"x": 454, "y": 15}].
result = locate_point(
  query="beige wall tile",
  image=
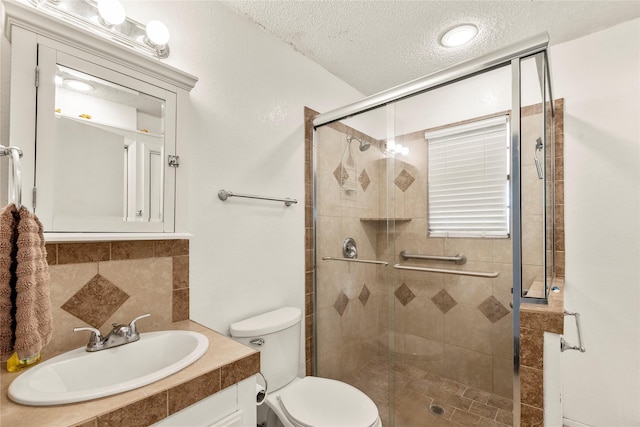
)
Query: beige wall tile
[
  {"x": 420, "y": 318},
  {"x": 149, "y": 283},
  {"x": 465, "y": 326},
  {"x": 65, "y": 281}
]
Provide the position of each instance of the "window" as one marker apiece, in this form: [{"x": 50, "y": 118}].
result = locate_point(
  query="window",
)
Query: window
[{"x": 469, "y": 179}]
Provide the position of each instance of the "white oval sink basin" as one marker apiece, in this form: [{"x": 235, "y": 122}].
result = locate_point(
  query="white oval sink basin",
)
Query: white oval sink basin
[{"x": 79, "y": 375}]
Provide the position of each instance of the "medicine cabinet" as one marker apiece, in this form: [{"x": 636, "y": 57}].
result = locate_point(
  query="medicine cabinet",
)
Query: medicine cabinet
[{"x": 98, "y": 128}]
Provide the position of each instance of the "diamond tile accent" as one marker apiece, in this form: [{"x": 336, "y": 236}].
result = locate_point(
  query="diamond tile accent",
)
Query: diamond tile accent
[
  {"x": 96, "y": 301},
  {"x": 444, "y": 301},
  {"x": 341, "y": 174},
  {"x": 404, "y": 294},
  {"x": 404, "y": 180},
  {"x": 493, "y": 309},
  {"x": 341, "y": 303},
  {"x": 364, "y": 295},
  {"x": 364, "y": 180}
]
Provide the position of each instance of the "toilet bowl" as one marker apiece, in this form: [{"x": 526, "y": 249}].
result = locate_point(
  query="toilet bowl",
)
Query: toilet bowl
[{"x": 299, "y": 401}]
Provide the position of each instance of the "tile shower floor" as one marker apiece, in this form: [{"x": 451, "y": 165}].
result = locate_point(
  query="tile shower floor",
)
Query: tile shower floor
[{"x": 425, "y": 399}]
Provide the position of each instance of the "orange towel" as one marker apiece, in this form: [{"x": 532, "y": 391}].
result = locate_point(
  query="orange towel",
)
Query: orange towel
[
  {"x": 34, "y": 323},
  {"x": 8, "y": 250}
]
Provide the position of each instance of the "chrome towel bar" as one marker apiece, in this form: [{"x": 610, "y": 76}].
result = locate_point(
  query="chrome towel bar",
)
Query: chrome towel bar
[
  {"x": 224, "y": 195},
  {"x": 363, "y": 261},
  {"x": 458, "y": 259},
  {"x": 490, "y": 275},
  {"x": 564, "y": 345}
]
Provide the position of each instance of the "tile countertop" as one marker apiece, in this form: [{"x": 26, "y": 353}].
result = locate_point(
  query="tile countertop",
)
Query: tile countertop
[{"x": 225, "y": 363}]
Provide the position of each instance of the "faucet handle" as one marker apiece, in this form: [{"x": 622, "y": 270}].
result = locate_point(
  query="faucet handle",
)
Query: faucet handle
[
  {"x": 95, "y": 340},
  {"x": 133, "y": 326}
]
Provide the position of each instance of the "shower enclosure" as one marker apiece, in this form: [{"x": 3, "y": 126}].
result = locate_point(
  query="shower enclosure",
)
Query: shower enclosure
[{"x": 433, "y": 220}]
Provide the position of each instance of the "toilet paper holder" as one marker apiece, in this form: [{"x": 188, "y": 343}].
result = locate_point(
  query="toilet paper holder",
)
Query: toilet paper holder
[{"x": 261, "y": 392}]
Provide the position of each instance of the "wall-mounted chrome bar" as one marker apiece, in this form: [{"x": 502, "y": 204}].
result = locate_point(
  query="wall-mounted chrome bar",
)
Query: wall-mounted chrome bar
[
  {"x": 458, "y": 259},
  {"x": 363, "y": 261},
  {"x": 564, "y": 345},
  {"x": 490, "y": 275},
  {"x": 224, "y": 195},
  {"x": 15, "y": 193}
]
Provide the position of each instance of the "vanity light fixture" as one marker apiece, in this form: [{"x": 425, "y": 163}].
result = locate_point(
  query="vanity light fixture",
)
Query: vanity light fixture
[
  {"x": 459, "y": 35},
  {"x": 157, "y": 36},
  {"x": 107, "y": 18},
  {"x": 111, "y": 12}
]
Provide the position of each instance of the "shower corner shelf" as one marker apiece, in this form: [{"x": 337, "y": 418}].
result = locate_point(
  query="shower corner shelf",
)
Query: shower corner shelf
[{"x": 380, "y": 219}]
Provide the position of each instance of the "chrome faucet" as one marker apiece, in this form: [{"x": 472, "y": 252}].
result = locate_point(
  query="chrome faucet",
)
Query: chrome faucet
[{"x": 119, "y": 335}]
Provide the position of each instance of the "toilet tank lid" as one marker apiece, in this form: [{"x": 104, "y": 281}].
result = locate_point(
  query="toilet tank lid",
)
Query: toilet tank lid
[{"x": 272, "y": 321}]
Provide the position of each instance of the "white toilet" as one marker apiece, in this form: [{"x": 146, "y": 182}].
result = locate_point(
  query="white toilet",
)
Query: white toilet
[{"x": 299, "y": 402}]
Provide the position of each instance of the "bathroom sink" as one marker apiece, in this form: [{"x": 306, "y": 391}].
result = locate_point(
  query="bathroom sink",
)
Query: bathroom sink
[{"x": 78, "y": 375}]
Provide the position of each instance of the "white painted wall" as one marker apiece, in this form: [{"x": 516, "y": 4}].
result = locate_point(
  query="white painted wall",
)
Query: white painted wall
[
  {"x": 599, "y": 77},
  {"x": 246, "y": 136}
]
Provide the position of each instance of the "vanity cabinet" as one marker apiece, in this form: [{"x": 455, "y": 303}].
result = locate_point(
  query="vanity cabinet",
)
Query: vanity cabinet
[
  {"x": 98, "y": 126},
  {"x": 232, "y": 407}
]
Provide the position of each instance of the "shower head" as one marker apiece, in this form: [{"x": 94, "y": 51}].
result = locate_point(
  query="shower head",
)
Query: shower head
[
  {"x": 539, "y": 147},
  {"x": 364, "y": 145}
]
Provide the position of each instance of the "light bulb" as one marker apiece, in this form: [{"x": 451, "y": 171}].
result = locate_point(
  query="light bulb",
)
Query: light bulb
[
  {"x": 111, "y": 12},
  {"x": 157, "y": 33},
  {"x": 391, "y": 144},
  {"x": 459, "y": 35},
  {"x": 405, "y": 151},
  {"x": 398, "y": 148}
]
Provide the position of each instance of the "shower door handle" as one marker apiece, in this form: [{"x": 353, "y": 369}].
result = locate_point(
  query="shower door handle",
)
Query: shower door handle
[{"x": 564, "y": 345}]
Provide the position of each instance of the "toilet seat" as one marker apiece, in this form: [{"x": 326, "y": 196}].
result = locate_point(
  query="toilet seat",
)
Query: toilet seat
[{"x": 315, "y": 402}]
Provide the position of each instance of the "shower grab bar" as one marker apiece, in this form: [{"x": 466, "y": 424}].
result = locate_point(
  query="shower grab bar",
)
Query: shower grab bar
[
  {"x": 458, "y": 259},
  {"x": 491, "y": 275},
  {"x": 224, "y": 195},
  {"x": 564, "y": 345},
  {"x": 363, "y": 261}
]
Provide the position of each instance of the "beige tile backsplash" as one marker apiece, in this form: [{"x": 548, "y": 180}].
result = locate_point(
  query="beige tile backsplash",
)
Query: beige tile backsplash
[{"x": 154, "y": 275}]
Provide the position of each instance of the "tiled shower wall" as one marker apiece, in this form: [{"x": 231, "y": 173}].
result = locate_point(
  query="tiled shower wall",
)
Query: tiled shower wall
[
  {"x": 457, "y": 326},
  {"x": 352, "y": 299},
  {"x": 100, "y": 283}
]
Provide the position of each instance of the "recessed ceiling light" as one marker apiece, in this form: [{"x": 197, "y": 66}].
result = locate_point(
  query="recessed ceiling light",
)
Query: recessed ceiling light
[{"x": 457, "y": 36}]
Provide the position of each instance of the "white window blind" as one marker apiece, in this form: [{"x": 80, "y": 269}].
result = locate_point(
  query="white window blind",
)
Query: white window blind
[{"x": 469, "y": 179}]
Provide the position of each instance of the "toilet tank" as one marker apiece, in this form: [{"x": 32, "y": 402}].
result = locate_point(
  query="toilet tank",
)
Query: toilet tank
[{"x": 279, "y": 353}]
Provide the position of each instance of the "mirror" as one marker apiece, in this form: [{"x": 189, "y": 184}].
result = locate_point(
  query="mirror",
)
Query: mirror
[
  {"x": 115, "y": 136},
  {"x": 101, "y": 140}
]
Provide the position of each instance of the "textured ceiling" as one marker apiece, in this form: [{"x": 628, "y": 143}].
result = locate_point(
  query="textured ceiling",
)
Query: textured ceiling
[{"x": 375, "y": 45}]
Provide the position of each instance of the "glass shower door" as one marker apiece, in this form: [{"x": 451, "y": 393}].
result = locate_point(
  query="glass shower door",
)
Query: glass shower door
[
  {"x": 451, "y": 289},
  {"x": 352, "y": 243}
]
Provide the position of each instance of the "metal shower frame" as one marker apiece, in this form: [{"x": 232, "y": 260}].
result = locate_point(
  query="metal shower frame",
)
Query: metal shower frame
[{"x": 510, "y": 55}]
